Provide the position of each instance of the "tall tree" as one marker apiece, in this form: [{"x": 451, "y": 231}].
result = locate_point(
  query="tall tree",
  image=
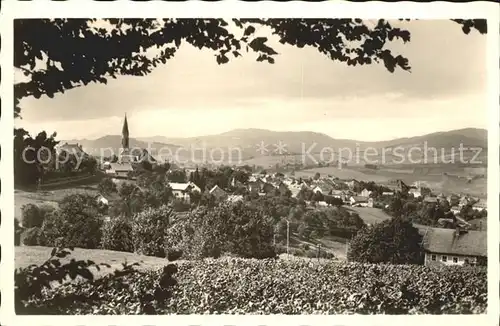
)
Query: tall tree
[{"x": 392, "y": 241}]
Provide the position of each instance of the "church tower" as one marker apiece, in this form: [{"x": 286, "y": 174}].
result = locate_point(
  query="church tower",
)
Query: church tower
[{"x": 125, "y": 155}]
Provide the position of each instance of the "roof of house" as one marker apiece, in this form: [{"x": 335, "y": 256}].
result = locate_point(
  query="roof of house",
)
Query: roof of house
[
  {"x": 480, "y": 204},
  {"x": 295, "y": 191},
  {"x": 429, "y": 199},
  {"x": 214, "y": 188},
  {"x": 72, "y": 148},
  {"x": 234, "y": 198},
  {"x": 121, "y": 167},
  {"x": 360, "y": 199},
  {"x": 180, "y": 186},
  {"x": 445, "y": 241},
  {"x": 414, "y": 190}
]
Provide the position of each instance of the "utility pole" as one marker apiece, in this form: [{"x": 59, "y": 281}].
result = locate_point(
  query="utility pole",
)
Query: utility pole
[
  {"x": 346, "y": 249},
  {"x": 287, "y": 236}
]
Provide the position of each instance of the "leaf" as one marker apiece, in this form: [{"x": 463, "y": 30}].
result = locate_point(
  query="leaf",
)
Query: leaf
[{"x": 249, "y": 30}]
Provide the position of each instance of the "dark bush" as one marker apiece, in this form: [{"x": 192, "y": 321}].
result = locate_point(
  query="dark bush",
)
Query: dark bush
[
  {"x": 117, "y": 235},
  {"x": 149, "y": 230},
  {"x": 237, "y": 229},
  {"x": 77, "y": 223},
  {"x": 32, "y": 237},
  {"x": 174, "y": 254},
  {"x": 33, "y": 215}
]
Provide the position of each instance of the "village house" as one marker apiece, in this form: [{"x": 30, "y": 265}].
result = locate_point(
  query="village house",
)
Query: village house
[
  {"x": 455, "y": 209},
  {"x": 281, "y": 186},
  {"x": 74, "y": 149},
  {"x": 218, "y": 192},
  {"x": 365, "y": 193},
  {"x": 268, "y": 187},
  {"x": 102, "y": 200},
  {"x": 479, "y": 206},
  {"x": 430, "y": 200},
  {"x": 388, "y": 193},
  {"x": 361, "y": 201},
  {"x": 454, "y": 247},
  {"x": 352, "y": 183},
  {"x": 183, "y": 190},
  {"x": 340, "y": 194},
  {"x": 255, "y": 186},
  {"x": 415, "y": 192},
  {"x": 234, "y": 198},
  {"x": 295, "y": 191},
  {"x": 119, "y": 170},
  {"x": 464, "y": 201},
  {"x": 397, "y": 185},
  {"x": 323, "y": 189}
]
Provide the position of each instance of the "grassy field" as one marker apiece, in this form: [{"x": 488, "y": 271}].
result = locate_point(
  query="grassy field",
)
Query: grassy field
[
  {"x": 25, "y": 256},
  {"x": 439, "y": 183},
  {"x": 50, "y": 197},
  {"x": 371, "y": 215}
]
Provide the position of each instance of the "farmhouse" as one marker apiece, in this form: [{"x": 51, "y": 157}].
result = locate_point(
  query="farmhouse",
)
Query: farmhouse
[
  {"x": 365, "y": 193},
  {"x": 323, "y": 188},
  {"x": 430, "y": 200},
  {"x": 388, "y": 193},
  {"x": 361, "y": 201},
  {"x": 102, "y": 200},
  {"x": 454, "y": 247},
  {"x": 218, "y": 193},
  {"x": 119, "y": 170},
  {"x": 415, "y": 192},
  {"x": 268, "y": 187},
  {"x": 479, "y": 206},
  {"x": 397, "y": 186},
  {"x": 455, "y": 209},
  {"x": 339, "y": 194},
  {"x": 183, "y": 190},
  {"x": 255, "y": 186},
  {"x": 352, "y": 183},
  {"x": 234, "y": 198},
  {"x": 75, "y": 149}
]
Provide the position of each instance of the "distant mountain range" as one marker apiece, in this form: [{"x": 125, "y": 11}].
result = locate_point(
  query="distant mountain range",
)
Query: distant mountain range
[{"x": 294, "y": 141}]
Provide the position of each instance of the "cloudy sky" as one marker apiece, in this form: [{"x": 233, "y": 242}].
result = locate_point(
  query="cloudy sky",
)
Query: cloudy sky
[{"x": 191, "y": 95}]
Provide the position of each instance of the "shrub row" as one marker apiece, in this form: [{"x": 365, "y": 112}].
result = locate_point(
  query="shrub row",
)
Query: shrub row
[{"x": 249, "y": 286}]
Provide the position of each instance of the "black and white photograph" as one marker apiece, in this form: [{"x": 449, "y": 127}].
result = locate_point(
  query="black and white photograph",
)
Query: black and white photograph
[{"x": 251, "y": 166}]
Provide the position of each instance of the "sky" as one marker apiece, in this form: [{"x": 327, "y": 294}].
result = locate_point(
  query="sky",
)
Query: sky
[{"x": 191, "y": 95}]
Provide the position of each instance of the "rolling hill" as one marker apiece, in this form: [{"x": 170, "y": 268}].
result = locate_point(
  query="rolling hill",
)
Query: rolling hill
[{"x": 246, "y": 140}]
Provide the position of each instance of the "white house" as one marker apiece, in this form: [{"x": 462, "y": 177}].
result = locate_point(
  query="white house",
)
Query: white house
[
  {"x": 234, "y": 198},
  {"x": 479, "y": 206},
  {"x": 388, "y": 193},
  {"x": 102, "y": 200},
  {"x": 454, "y": 246},
  {"x": 415, "y": 192},
  {"x": 183, "y": 190},
  {"x": 455, "y": 209},
  {"x": 365, "y": 193},
  {"x": 361, "y": 201}
]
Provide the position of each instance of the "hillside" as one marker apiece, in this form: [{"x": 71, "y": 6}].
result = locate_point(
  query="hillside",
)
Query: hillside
[
  {"x": 246, "y": 141},
  {"x": 248, "y": 138},
  {"x": 111, "y": 144}
]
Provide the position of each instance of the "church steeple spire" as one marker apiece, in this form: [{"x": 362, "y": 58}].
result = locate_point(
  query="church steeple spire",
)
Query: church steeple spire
[{"x": 125, "y": 142}]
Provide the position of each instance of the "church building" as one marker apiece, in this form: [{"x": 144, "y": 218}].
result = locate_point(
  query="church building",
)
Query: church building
[{"x": 123, "y": 167}]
